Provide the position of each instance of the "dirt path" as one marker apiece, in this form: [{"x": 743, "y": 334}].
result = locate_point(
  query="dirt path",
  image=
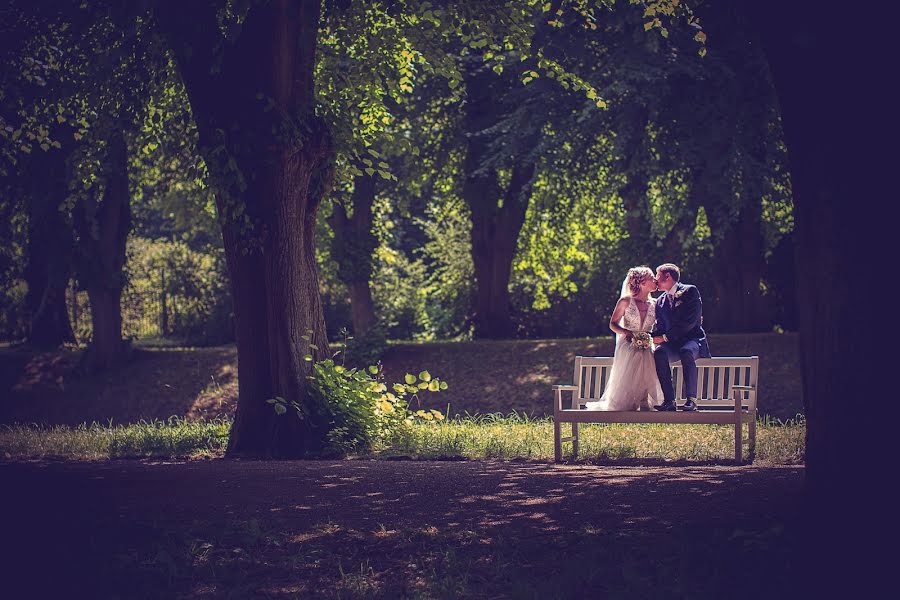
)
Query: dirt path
[{"x": 389, "y": 529}]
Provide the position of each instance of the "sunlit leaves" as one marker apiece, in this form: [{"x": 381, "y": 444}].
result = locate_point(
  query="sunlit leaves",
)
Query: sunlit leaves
[{"x": 660, "y": 12}]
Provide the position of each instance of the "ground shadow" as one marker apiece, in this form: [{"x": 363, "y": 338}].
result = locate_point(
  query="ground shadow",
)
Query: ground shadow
[{"x": 346, "y": 529}]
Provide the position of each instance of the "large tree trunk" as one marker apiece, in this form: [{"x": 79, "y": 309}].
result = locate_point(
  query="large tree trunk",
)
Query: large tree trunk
[
  {"x": 352, "y": 249},
  {"x": 495, "y": 235},
  {"x": 672, "y": 246},
  {"x": 837, "y": 181},
  {"x": 103, "y": 232},
  {"x": 803, "y": 48},
  {"x": 637, "y": 217},
  {"x": 497, "y": 214},
  {"x": 50, "y": 243},
  {"x": 738, "y": 305},
  {"x": 269, "y": 216},
  {"x": 638, "y": 223}
]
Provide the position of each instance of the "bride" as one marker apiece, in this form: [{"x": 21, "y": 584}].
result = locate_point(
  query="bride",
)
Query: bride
[{"x": 632, "y": 382}]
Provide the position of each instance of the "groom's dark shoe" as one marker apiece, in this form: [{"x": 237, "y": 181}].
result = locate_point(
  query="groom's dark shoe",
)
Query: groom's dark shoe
[
  {"x": 689, "y": 406},
  {"x": 668, "y": 405}
]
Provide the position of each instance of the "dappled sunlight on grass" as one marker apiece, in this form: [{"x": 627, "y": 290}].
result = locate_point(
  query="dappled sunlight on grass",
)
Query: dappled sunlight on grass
[
  {"x": 174, "y": 437},
  {"x": 518, "y": 437},
  {"x": 511, "y": 437}
]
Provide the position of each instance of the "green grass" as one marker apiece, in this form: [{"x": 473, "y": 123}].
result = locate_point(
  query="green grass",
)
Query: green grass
[
  {"x": 510, "y": 437},
  {"x": 518, "y": 437},
  {"x": 172, "y": 438}
]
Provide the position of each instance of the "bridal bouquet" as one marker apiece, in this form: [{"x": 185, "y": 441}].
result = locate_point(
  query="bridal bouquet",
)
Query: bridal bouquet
[{"x": 641, "y": 340}]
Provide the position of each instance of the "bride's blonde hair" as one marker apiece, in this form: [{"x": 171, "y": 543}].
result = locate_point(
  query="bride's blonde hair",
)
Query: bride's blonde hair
[{"x": 636, "y": 278}]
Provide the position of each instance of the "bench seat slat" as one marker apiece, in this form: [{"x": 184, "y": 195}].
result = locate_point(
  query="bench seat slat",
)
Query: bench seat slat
[{"x": 709, "y": 417}]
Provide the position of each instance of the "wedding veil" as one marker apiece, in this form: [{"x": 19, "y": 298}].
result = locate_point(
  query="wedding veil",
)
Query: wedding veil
[{"x": 625, "y": 293}]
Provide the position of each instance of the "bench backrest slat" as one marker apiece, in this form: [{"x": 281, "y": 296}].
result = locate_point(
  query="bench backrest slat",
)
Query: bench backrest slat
[{"x": 715, "y": 377}]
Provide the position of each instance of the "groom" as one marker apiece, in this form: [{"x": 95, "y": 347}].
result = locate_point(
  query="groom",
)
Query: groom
[{"x": 677, "y": 335}]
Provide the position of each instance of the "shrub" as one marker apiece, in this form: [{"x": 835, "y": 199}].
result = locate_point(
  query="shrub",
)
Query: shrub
[{"x": 357, "y": 407}]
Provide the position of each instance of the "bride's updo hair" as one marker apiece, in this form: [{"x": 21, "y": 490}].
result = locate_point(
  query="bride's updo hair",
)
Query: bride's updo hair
[{"x": 636, "y": 278}]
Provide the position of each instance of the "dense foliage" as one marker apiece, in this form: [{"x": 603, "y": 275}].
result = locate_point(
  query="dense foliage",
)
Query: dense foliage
[
  {"x": 357, "y": 408},
  {"x": 440, "y": 169}
]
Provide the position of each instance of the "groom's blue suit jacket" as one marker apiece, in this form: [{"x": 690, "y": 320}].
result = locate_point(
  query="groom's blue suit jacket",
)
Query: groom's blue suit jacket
[{"x": 680, "y": 319}]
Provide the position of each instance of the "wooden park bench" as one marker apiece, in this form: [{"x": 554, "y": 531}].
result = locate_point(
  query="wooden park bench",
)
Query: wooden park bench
[{"x": 726, "y": 388}]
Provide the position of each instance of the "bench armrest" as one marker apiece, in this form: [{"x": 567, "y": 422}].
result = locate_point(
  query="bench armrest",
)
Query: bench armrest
[
  {"x": 737, "y": 393},
  {"x": 558, "y": 397}
]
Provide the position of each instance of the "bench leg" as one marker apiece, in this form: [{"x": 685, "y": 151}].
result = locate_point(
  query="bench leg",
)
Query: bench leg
[
  {"x": 752, "y": 432},
  {"x": 557, "y": 443},
  {"x": 738, "y": 424},
  {"x": 575, "y": 441}
]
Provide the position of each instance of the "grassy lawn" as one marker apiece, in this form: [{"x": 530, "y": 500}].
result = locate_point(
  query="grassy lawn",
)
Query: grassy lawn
[
  {"x": 486, "y": 517},
  {"x": 511, "y": 437}
]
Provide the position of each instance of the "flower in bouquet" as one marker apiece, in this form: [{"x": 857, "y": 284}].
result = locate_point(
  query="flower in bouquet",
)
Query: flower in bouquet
[{"x": 641, "y": 340}]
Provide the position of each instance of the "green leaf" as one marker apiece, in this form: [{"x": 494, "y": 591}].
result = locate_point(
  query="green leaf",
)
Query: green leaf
[
  {"x": 399, "y": 388},
  {"x": 425, "y": 376},
  {"x": 373, "y": 369},
  {"x": 422, "y": 385},
  {"x": 410, "y": 379},
  {"x": 434, "y": 386},
  {"x": 444, "y": 385}
]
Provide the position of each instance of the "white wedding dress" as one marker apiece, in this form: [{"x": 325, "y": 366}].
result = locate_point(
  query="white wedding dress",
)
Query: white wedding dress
[{"x": 632, "y": 383}]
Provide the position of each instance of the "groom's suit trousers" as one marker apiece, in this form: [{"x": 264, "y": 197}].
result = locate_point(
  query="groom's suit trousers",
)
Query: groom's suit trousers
[{"x": 664, "y": 355}]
